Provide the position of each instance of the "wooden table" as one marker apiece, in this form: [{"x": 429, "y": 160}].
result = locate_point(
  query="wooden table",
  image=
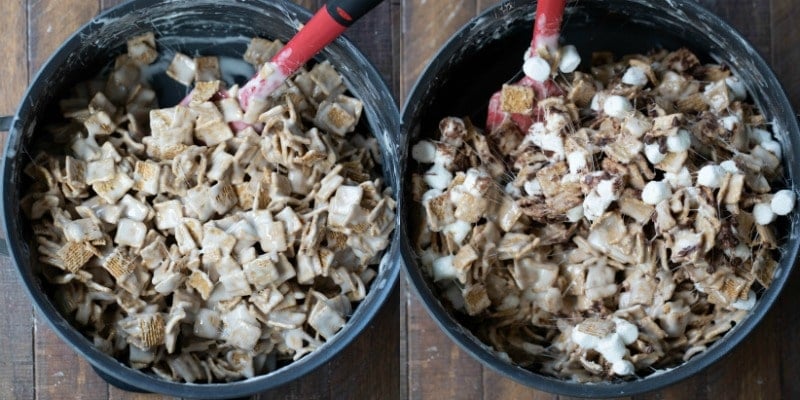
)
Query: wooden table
[
  {"x": 35, "y": 363},
  {"x": 399, "y": 36},
  {"x": 765, "y": 366}
]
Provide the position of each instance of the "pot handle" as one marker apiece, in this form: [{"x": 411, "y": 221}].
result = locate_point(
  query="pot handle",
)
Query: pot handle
[{"x": 5, "y": 126}]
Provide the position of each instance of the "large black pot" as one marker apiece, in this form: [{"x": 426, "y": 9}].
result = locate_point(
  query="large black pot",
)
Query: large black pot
[
  {"x": 208, "y": 27},
  {"x": 487, "y": 52}
]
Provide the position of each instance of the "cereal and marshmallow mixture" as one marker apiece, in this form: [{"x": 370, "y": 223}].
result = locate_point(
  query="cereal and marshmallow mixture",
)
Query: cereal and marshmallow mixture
[
  {"x": 617, "y": 225},
  {"x": 203, "y": 242}
]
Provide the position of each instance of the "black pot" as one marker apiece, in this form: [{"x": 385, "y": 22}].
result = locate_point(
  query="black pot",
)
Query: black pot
[
  {"x": 208, "y": 27},
  {"x": 487, "y": 52}
]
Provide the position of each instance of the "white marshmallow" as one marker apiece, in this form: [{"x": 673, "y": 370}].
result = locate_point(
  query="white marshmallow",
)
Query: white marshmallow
[
  {"x": 443, "y": 268},
  {"x": 575, "y": 214},
  {"x": 548, "y": 141},
  {"x": 430, "y": 194},
  {"x": 570, "y": 59},
  {"x": 532, "y": 187},
  {"x": 773, "y": 147},
  {"x": 759, "y": 135},
  {"x": 576, "y": 161},
  {"x": 512, "y": 190},
  {"x": 762, "y": 213},
  {"x": 730, "y": 166},
  {"x": 782, "y": 202},
  {"x": 597, "y": 201},
  {"x": 655, "y": 192},
  {"x": 536, "y": 68},
  {"x": 746, "y": 304},
  {"x": 729, "y": 122},
  {"x": 598, "y": 100},
  {"x": 423, "y": 152},
  {"x": 680, "y": 179},
  {"x": 653, "y": 153},
  {"x": 458, "y": 230},
  {"x": 736, "y": 87},
  {"x": 711, "y": 176},
  {"x": 636, "y": 126},
  {"x": 438, "y": 177},
  {"x": 555, "y": 122},
  {"x": 679, "y": 142},
  {"x": 612, "y": 347},
  {"x": 634, "y": 76},
  {"x": 617, "y": 106}
]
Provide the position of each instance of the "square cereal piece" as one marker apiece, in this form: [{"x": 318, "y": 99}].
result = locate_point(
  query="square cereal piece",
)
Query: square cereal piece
[{"x": 516, "y": 99}]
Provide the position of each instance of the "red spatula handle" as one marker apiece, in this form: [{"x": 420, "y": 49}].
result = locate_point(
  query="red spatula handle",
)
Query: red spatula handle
[{"x": 547, "y": 25}]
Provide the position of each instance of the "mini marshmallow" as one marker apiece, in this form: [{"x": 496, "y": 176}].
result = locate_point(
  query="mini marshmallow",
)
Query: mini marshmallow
[
  {"x": 746, "y": 304},
  {"x": 598, "y": 100},
  {"x": 636, "y": 126},
  {"x": 458, "y": 230},
  {"x": 679, "y": 142},
  {"x": 634, "y": 76},
  {"x": 730, "y": 122},
  {"x": 762, "y": 213},
  {"x": 555, "y": 122},
  {"x": 773, "y": 147},
  {"x": 655, "y": 192},
  {"x": 443, "y": 268},
  {"x": 617, "y": 106},
  {"x": 782, "y": 202},
  {"x": 653, "y": 153},
  {"x": 611, "y": 347},
  {"x": 597, "y": 201},
  {"x": 533, "y": 187},
  {"x": 575, "y": 214},
  {"x": 711, "y": 176},
  {"x": 680, "y": 179},
  {"x": 512, "y": 190},
  {"x": 423, "y": 152},
  {"x": 759, "y": 135},
  {"x": 730, "y": 166},
  {"x": 736, "y": 87},
  {"x": 536, "y": 68},
  {"x": 576, "y": 161},
  {"x": 570, "y": 59},
  {"x": 438, "y": 177}
]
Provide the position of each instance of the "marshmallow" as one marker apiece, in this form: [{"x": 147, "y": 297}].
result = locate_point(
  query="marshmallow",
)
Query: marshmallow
[
  {"x": 443, "y": 268},
  {"x": 746, "y": 304},
  {"x": 617, "y": 106},
  {"x": 512, "y": 190},
  {"x": 736, "y": 87},
  {"x": 762, "y": 213},
  {"x": 730, "y": 166},
  {"x": 438, "y": 177},
  {"x": 655, "y": 192},
  {"x": 636, "y": 126},
  {"x": 536, "y": 68},
  {"x": 611, "y": 347},
  {"x": 711, "y": 176},
  {"x": 532, "y": 187},
  {"x": 680, "y": 179},
  {"x": 597, "y": 201},
  {"x": 458, "y": 230},
  {"x": 634, "y": 76},
  {"x": 653, "y": 153},
  {"x": 570, "y": 59},
  {"x": 679, "y": 142},
  {"x": 729, "y": 122},
  {"x": 773, "y": 147},
  {"x": 576, "y": 161},
  {"x": 782, "y": 202},
  {"x": 597, "y": 101},
  {"x": 759, "y": 135},
  {"x": 423, "y": 152},
  {"x": 575, "y": 214}
]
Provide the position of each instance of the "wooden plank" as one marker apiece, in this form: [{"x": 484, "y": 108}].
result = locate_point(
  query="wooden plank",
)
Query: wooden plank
[
  {"x": 498, "y": 387},
  {"x": 426, "y": 26},
  {"x": 60, "y": 372},
  {"x": 789, "y": 331},
  {"x": 51, "y": 22},
  {"x": 16, "y": 325},
  {"x": 785, "y": 56},
  {"x": 437, "y": 368},
  {"x": 750, "y": 17}
]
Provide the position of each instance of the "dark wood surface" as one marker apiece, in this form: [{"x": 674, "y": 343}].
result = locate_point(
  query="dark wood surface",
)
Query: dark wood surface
[
  {"x": 400, "y": 37},
  {"x": 36, "y": 364},
  {"x": 765, "y": 366}
]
